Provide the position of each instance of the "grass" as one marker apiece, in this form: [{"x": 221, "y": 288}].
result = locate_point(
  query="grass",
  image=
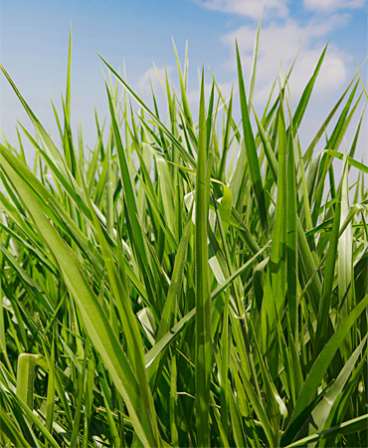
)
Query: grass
[{"x": 186, "y": 281}]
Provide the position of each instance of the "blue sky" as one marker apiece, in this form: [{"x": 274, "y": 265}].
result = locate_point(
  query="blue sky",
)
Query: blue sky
[{"x": 138, "y": 33}]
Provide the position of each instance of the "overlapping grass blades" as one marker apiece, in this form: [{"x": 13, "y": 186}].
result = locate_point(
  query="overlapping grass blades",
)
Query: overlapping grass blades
[{"x": 194, "y": 280}]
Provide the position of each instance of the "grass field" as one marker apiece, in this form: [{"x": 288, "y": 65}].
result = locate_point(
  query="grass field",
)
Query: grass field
[{"x": 193, "y": 280}]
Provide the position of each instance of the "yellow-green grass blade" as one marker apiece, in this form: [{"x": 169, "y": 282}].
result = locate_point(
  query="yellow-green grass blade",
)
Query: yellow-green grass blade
[
  {"x": 135, "y": 227},
  {"x": 305, "y": 97},
  {"x": 174, "y": 140},
  {"x": 203, "y": 356},
  {"x": 278, "y": 258},
  {"x": 250, "y": 146}
]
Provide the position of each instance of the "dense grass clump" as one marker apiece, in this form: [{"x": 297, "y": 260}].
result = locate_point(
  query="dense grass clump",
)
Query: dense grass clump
[{"x": 197, "y": 280}]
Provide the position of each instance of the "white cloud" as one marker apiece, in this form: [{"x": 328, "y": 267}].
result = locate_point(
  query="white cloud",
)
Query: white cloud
[
  {"x": 333, "y": 73},
  {"x": 155, "y": 77},
  {"x": 283, "y": 39},
  {"x": 254, "y": 9},
  {"x": 281, "y": 43},
  {"x": 333, "y": 5}
]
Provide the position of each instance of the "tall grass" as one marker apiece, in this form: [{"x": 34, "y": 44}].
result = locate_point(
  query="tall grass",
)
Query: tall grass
[{"x": 187, "y": 281}]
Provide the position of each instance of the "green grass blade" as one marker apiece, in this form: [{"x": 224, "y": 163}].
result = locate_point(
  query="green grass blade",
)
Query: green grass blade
[
  {"x": 203, "y": 301},
  {"x": 319, "y": 368},
  {"x": 250, "y": 146}
]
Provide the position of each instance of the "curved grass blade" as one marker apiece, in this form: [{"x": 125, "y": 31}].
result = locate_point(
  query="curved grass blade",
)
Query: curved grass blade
[
  {"x": 91, "y": 312},
  {"x": 319, "y": 368}
]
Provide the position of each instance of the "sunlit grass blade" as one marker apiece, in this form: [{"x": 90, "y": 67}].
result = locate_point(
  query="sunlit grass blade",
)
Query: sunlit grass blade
[
  {"x": 203, "y": 301},
  {"x": 250, "y": 146}
]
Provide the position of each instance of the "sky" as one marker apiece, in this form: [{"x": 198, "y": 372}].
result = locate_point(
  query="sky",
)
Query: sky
[{"x": 138, "y": 34}]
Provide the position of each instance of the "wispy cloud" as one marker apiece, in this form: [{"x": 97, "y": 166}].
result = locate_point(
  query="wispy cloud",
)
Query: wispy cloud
[
  {"x": 253, "y": 9},
  {"x": 155, "y": 77},
  {"x": 333, "y": 5},
  {"x": 281, "y": 43}
]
